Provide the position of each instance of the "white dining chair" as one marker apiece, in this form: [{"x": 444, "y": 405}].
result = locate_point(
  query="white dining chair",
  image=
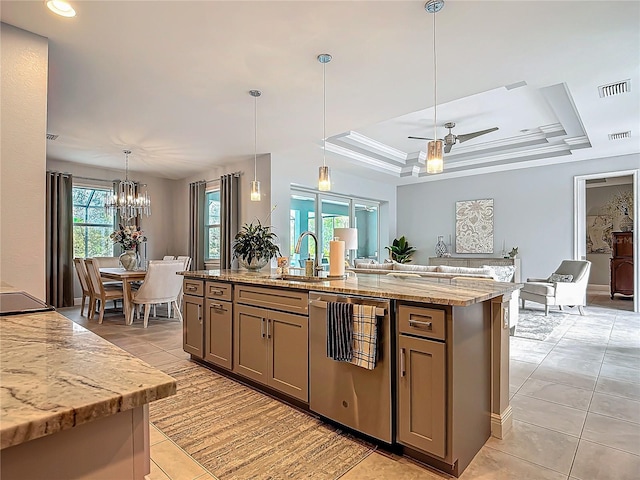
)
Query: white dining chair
[
  {"x": 102, "y": 292},
  {"x": 162, "y": 284}
]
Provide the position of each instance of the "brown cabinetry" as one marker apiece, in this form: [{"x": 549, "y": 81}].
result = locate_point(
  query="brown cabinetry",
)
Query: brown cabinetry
[
  {"x": 192, "y": 317},
  {"x": 622, "y": 266},
  {"x": 270, "y": 346},
  {"x": 443, "y": 390},
  {"x": 422, "y": 394},
  {"x": 218, "y": 324}
]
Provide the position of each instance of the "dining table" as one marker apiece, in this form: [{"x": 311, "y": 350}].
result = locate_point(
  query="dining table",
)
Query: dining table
[{"x": 126, "y": 277}]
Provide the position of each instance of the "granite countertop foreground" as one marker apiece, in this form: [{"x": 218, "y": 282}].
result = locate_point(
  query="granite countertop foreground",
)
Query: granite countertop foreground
[
  {"x": 441, "y": 291},
  {"x": 55, "y": 375}
]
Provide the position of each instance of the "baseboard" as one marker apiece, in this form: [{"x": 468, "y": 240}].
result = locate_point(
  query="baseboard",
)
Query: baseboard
[
  {"x": 501, "y": 424},
  {"x": 598, "y": 289}
]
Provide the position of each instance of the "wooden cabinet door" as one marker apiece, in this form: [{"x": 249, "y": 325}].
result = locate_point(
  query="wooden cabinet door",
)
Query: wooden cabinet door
[
  {"x": 250, "y": 342},
  {"x": 422, "y": 417},
  {"x": 218, "y": 333},
  {"x": 192, "y": 338},
  {"x": 288, "y": 354},
  {"x": 622, "y": 276}
]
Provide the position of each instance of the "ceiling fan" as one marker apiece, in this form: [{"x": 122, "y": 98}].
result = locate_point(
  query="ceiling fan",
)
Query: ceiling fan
[{"x": 450, "y": 139}]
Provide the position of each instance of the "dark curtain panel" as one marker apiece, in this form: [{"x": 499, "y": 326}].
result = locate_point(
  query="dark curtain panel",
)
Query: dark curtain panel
[
  {"x": 59, "y": 231},
  {"x": 229, "y": 185},
  {"x": 196, "y": 224}
]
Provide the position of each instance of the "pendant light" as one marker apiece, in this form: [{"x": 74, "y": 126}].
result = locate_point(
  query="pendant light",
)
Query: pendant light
[
  {"x": 324, "y": 179},
  {"x": 435, "y": 161},
  {"x": 129, "y": 201},
  {"x": 255, "y": 184}
]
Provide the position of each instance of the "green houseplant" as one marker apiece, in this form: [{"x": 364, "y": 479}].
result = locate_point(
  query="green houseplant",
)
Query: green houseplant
[
  {"x": 254, "y": 245},
  {"x": 400, "y": 250}
]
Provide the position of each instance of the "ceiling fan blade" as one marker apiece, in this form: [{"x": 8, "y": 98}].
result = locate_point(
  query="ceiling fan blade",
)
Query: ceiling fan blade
[
  {"x": 420, "y": 138},
  {"x": 447, "y": 147},
  {"x": 469, "y": 136}
]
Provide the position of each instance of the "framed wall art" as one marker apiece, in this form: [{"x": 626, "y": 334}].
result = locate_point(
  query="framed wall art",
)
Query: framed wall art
[
  {"x": 599, "y": 228},
  {"x": 474, "y": 226}
]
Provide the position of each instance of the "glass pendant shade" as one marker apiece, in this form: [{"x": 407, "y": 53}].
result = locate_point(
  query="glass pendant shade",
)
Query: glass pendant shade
[
  {"x": 255, "y": 191},
  {"x": 324, "y": 180},
  {"x": 435, "y": 162}
]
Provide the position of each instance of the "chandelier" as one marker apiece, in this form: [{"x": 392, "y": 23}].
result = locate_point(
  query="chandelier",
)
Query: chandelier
[{"x": 128, "y": 201}]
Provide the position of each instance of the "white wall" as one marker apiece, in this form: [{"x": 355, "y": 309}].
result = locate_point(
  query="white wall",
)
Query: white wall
[
  {"x": 23, "y": 108},
  {"x": 533, "y": 210},
  {"x": 286, "y": 170}
]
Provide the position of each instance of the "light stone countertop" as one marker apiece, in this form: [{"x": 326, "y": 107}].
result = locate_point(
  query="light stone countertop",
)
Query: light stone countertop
[
  {"x": 55, "y": 375},
  {"x": 441, "y": 291}
]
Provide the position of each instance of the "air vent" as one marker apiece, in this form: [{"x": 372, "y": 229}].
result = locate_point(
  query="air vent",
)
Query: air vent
[
  {"x": 614, "y": 88},
  {"x": 620, "y": 135},
  {"x": 591, "y": 181},
  {"x": 51, "y": 136}
]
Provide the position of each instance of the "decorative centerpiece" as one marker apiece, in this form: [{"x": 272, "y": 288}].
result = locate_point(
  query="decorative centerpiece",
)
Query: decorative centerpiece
[
  {"x": 400, "y": 250},
  {"x": 129, "y": 237},
  {"x": 254, "y": 246}
]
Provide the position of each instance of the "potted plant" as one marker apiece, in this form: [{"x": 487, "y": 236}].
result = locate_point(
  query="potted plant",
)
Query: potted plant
[
  {"x": 254, "y": 246},
  {"x": 129, "y": 237},
  {"x": 400, "y": 250}
]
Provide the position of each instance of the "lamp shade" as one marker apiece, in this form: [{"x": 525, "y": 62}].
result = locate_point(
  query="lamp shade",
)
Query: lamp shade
[{"x": 349, "y": 236}]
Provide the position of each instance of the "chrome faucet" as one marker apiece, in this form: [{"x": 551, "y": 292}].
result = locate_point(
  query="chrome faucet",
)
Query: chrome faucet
[{"x": 316, "y": 266}]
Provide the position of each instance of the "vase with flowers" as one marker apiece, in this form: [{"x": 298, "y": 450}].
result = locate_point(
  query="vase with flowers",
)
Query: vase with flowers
[{"x": 129, "y": 237}]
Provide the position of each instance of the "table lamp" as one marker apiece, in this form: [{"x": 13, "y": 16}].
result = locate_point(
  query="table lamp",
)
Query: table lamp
[{"x": 350, "y": 238}]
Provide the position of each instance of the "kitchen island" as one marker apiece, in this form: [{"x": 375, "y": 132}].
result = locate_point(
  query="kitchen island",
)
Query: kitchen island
[
  {"x": 73, "y": 404},
  {"x": 440, "y": 385}
]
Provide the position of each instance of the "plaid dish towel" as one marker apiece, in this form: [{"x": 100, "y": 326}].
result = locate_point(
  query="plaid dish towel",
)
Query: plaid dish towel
[
  {"x": 340, "y": 331},
  {"x": 365, "y": 336}
]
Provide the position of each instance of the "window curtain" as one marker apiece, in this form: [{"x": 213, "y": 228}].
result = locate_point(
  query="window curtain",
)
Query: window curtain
[
  {"x": 229, "y": 185},
  {"x": 196, "y": 224},
  {"x": 59, "y": 241}
]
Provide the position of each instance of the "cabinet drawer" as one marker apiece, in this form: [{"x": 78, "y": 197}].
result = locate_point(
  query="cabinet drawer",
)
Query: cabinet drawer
[
  {"x": 421, "y": 321},
  {"x": 284, "y": 300},
  {"x": 193, "y": 287},
  {"x": 221, "y": 291}
]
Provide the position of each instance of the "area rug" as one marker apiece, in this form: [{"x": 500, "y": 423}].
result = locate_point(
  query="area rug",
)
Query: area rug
[
  {"x": 535, "y": 325},
  {"x": 238, "y": 433}
]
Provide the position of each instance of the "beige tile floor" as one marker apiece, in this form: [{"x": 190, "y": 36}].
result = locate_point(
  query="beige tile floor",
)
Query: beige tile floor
[{"x": 575, "y": 398}]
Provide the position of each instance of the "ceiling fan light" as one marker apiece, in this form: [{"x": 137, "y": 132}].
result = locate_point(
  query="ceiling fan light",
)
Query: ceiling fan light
[
  {"x": 435, "y": 161},
  {"x": 324, "y": 180},
  {"x": 255, "y": 190}
]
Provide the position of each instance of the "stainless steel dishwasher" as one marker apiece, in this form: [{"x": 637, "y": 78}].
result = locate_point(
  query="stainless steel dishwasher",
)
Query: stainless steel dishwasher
[{"x": 350, "y": 395}]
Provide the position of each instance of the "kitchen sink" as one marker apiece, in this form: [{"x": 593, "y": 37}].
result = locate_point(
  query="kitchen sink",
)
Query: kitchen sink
[{"x": 301, "y": 278}]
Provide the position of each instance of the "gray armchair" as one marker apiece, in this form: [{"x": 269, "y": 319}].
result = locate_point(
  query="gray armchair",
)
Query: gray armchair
[{"x": 562, "y": 291}]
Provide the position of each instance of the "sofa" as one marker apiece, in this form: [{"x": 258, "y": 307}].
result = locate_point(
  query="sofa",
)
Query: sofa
[{"x": 497, "y": 273}]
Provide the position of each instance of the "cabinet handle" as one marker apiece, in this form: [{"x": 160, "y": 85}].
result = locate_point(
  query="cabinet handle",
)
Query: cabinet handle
[
  {"x": 217, "y": 305},
  {"x": 418, "y": 324},
  {"x": 200, "y": 314},
  {"x": 192, "y": 288},
  {"x": 268, "y": 328},
  {"x": 262, "y": 327},
  {"x": 402, "y": 364},
  {"x": 216, "y": 292}
]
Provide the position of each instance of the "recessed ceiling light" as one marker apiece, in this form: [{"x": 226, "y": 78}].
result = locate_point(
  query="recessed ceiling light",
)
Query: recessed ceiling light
[{"x": 61, "y": 8}]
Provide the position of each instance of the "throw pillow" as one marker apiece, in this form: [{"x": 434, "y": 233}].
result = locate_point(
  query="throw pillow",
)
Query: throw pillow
[
  {"x": 362, "y": 261},
  {"x": 558, "y": 277},
  {"x": 501, "y": 273}
]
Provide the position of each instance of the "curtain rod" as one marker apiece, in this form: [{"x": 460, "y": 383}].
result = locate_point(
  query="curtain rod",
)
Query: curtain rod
[
  {"x": 235, "y": 174},
  {"x": 83, "y": 178}
]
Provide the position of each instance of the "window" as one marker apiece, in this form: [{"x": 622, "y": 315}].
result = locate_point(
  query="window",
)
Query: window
[
  {"x": 333, "y": 211},
  {"x": 212, "y": 226},
  {"x": 91, "y": 224}
]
